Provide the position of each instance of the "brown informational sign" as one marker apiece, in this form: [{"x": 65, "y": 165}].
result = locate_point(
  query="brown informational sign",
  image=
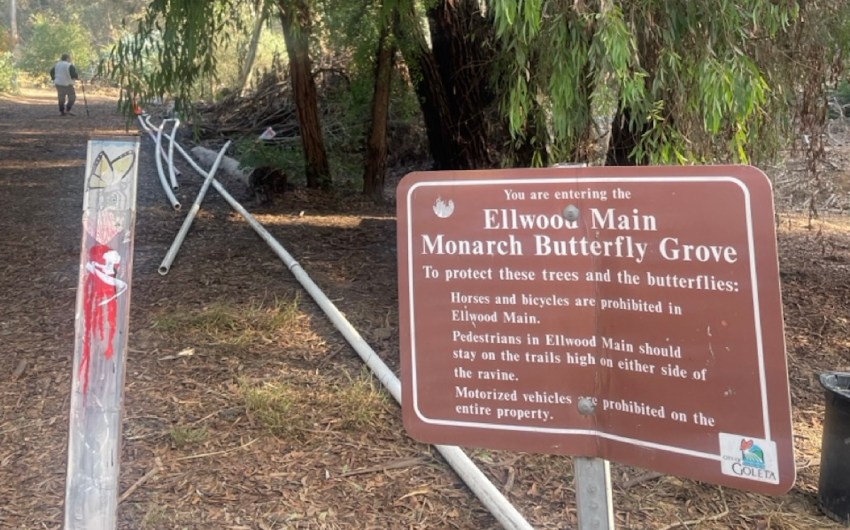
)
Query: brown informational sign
[{"x": 631, "y": 314}]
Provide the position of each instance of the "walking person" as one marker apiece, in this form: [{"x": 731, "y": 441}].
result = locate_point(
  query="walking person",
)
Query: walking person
[{"x": 63, "y": 75}]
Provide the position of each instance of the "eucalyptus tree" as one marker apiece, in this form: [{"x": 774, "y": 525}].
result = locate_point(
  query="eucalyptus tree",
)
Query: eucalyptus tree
[
  {"x": 260, "y": 15},
  {"x": 660, "y": 81},
  {"x": 448, "y": 46},
  {"x": 620, "y": 81},
  {"x": 445, "y": 47},
  {"x": 532, "y": 82},
  {"x": 362, "y": 32},
  {"x": 375, "y": 164},
  {"x": 296, "y": 19},
  {"x": 815, "y": 58},
  {"x": 176, "y": 47},
  {"x": 13, "y": 22}
]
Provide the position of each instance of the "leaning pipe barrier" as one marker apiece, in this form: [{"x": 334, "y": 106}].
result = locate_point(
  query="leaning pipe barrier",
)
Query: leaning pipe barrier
[
  {"x": 474, "y": 478},
  {"x": 165, "y": 266},
  {"x": 172, "y": 175},
  {"x": 168, "y": 191},
  {"x": 148, "y": 128}
]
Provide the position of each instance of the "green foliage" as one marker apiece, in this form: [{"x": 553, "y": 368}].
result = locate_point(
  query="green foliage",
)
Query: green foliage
[
  {"x": 232, "y": 58},
  {"x": 174, "y": 51},
  {"x": 103, "y": 18},
  {"x": 100, "y": 18},
  {"x": 227, "y": 323},
  {"x": 189, "y": 50},
  {"x": 7, "y": 72},
  {"x": 691, "y": 78},
  {"x": 50, "y": 37},
  {"x": 351, "y": 30},
  {"x": 286, "y": 156}
]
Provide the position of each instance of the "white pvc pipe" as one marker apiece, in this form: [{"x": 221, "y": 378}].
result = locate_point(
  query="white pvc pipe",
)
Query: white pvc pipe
[
  {"x": 148, "y": 128},
  {"x": 168, "y": 193},
  {"x": 165, "y": 266},
  {"x": 466, "y": 469},
  {"x": 171, "y": 173}
]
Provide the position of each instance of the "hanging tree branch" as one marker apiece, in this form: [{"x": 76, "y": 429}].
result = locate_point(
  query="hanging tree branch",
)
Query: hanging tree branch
[{"x": 172, "y": 52}]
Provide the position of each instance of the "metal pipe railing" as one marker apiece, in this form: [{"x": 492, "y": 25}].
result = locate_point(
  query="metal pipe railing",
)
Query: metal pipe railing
[
  {"x": 168, "y": 192},
  {"x": 148, "y": 128},
  {"x": 489, "y": 495},
  {"x": 171, "y": 141},
  {"x": 165, "y": 266}
]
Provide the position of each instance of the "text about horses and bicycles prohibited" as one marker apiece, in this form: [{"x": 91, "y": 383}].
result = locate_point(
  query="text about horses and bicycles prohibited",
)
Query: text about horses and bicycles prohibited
[{"x": 632, "y": 314}]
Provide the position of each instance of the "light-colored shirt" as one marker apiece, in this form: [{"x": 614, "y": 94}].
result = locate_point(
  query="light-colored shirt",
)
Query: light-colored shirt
[{"x": 62, "y": 72}]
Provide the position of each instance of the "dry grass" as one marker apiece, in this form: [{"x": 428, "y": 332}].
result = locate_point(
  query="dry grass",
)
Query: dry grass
[
  {"x": 232, "y": 322},
  {"x": 185, "y": 436},
  {"x": 305, "y": 404}
]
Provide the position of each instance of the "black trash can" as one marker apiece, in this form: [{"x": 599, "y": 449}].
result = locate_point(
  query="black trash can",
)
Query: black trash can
[{"x": 834, "y": 486}]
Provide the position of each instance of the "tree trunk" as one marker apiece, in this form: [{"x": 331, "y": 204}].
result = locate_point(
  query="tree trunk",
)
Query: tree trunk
[
  {"x": 451, "y": 79},
  {"x": 623, "y": 141},
  {"x": 374, "y": 174},
  {"x": 13, "y": 22},
  {"x": 603, "y": 103},
  {"x": 295, "y": 19},
  {"x": 460, "y": 34},
  {"x": 245, "y": 74},
  {"x": 428, "y": 83}
]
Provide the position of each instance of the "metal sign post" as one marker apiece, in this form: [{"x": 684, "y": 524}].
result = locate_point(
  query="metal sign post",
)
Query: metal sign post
[
  {"x": 102, "y": 322},
  {"x": 593, "y": 493},
  {"x": 592, "y": 476},
  {"x": 593, "y": 486}
]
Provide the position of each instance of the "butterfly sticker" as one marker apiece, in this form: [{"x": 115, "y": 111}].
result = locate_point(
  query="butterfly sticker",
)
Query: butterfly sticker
[{"x": 106, "y": 172}]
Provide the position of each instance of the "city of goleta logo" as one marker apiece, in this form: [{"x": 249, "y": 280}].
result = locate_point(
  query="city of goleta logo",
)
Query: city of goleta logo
[
  {"x": 751, "y": 454},
  {"x": 749, "y": 458}
]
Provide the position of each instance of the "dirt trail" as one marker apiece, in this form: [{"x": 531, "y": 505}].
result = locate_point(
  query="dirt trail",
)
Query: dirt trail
[{"x": 199, "y": 343}]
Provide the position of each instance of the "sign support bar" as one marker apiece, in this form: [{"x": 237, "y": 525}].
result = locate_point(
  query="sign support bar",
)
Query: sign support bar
[{"x": 593, "y": 493}]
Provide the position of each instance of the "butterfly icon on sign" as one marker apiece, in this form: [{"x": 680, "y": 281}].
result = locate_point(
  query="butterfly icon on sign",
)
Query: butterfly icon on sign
[
  {"x": 106, "y": 172},
  {"x": 444, "y": 209}
]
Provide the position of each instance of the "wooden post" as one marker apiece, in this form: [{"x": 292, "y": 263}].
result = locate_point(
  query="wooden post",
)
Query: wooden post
[{"x": 102, "y": 322}]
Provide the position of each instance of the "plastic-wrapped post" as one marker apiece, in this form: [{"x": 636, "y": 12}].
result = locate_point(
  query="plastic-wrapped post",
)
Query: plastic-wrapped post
[{"x": 101, "y": 322}]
